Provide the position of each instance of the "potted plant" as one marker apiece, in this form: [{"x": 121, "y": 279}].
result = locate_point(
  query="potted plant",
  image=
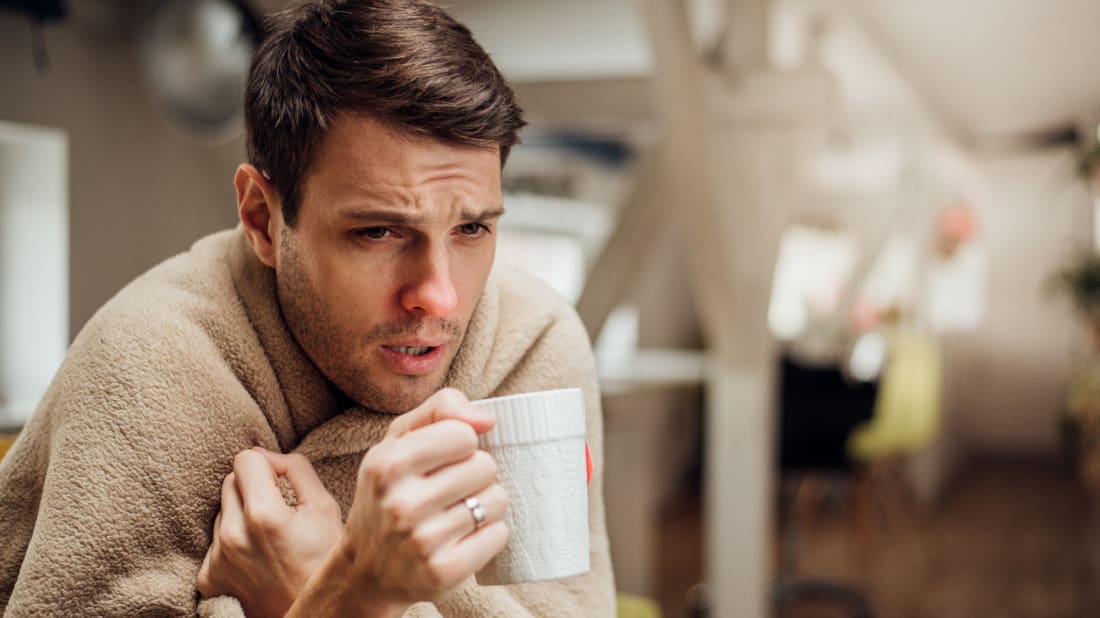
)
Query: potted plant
[
  {"x": 1088, "y": 165},
  {"x": 1080, "y": 282}
]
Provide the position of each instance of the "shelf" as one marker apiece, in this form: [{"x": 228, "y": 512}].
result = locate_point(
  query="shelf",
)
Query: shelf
[{"x": 651, "y": 368}]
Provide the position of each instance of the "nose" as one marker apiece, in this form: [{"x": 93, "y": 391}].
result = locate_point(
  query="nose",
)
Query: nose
[{"x": 431, "y": 291}]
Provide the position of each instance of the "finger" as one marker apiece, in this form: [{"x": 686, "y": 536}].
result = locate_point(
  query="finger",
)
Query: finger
[
  {"x": 215, "y": 540},
  {"x": 206, "y": 585},
  {"x": 445, "y": 404},
  {"x": 232, "y": 508},
  {"x": 494, "y": 502},
  {"x": 449, "y": 484},
  {"x": 472, "y": 553},
  {"x": 229, "y": 525},
  {"x": 300, "y": 472},
  {"x": 440, "y": 444},
  {"x": 426, "y": 497},
  {"x": 457, "y": 522},
  {"x": 256, "y": 480}
]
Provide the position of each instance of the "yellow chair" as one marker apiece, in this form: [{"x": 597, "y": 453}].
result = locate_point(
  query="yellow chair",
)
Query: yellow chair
[
  {"x": 630, "y": 606},
  {"x": 908, "y": 408}
]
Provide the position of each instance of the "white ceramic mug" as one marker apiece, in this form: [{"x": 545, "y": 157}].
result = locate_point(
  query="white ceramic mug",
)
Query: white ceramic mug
[{"x": 539, "y": 446}]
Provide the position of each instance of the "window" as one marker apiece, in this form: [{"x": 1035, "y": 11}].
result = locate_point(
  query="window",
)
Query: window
[{"x": 34, "y": 264}]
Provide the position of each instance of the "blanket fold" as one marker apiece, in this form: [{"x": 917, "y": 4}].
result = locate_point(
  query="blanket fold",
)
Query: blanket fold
[{"x": 110, "y": 493}]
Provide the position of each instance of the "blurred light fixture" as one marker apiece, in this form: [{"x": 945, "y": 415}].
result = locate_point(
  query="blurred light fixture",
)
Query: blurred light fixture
[{"x": 195, "y": 55}]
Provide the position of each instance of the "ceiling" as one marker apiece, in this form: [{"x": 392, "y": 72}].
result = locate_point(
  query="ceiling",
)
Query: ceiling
[
  {"x": 987, "y": 69},
  {"x": 990, "y": 68}
]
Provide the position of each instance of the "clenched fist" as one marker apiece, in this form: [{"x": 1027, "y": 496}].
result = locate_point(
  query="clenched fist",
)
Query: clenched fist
[{"x": 411, "y": 533}]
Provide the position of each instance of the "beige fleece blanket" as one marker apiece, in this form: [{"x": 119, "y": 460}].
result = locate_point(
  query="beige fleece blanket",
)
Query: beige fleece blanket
[{"x": 108, "y": 497}]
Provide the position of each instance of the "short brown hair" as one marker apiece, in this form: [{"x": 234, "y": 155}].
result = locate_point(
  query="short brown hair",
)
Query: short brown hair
[{"x": 404, "y": 62}]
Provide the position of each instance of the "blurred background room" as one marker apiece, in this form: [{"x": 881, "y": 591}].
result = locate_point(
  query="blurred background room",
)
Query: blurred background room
[{"x": 837, "y": 258}]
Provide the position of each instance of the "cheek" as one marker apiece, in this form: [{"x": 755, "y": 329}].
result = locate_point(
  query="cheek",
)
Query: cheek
[
  {"x": 358, "y": 291},
  {"x": 469, "y": 274}
]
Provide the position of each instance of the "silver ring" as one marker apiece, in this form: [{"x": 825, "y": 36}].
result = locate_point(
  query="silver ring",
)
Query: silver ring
[{"x": 477, "y": 512}]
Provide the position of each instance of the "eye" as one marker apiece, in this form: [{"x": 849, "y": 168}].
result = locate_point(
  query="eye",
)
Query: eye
[
  {"x": 374, "y": 233},
  {"x": 472, "y": 229}
]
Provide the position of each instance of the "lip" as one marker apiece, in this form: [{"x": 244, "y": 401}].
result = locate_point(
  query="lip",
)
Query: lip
[{"x": 405, "y": 364}]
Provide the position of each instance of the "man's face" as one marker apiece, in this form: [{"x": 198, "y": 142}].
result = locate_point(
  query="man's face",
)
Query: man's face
[{"x": 387, "y": 258}]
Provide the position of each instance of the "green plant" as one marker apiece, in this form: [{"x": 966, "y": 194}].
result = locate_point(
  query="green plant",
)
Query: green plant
[
  {"x": 1080, "y": 281},
  {"x": 1088, "y": 161}
]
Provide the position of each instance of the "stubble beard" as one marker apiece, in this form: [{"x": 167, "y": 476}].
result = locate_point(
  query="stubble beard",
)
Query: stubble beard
[{"x": 341, "y": 355}]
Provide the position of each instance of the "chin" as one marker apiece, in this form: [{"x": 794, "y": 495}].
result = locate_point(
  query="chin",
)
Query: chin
[{"x": 399, "y": 394}]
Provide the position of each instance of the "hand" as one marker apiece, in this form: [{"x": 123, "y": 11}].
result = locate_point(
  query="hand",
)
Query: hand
[
  {"x": 263, "y": 551},
  {"x": 408, "y": 532}
]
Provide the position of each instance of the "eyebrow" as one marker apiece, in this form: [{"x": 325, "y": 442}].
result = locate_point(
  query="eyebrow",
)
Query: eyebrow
[{"x": 402, "y": 218}]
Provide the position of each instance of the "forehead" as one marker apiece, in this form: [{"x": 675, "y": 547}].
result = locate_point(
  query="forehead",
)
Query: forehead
[{"x": 362, "y": 155}]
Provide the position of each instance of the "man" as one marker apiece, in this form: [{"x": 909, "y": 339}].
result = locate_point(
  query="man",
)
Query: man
[{"x": 278, "y": 420}]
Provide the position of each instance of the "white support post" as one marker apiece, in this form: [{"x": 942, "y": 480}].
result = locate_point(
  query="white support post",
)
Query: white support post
[
  {"x": 746, "y": 44},
  {"x": 627, "y": 256},
  {"x": 731, "y": 168},
  {"x": 738, "y": 483}
]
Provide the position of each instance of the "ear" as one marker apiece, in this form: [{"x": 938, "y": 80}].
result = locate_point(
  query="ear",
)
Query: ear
[{"x": 259, "y": 210}]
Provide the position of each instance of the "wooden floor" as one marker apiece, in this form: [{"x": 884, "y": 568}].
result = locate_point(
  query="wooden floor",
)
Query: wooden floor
[{"x": 1009, "y": 539}]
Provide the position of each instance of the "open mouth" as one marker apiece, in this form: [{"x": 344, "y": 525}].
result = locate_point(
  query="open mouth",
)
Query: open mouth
[
  {"x": 411, "y": 350},
  {"x": 414, "y": 360}
]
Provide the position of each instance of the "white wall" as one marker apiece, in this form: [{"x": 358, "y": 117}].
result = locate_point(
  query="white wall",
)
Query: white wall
[
  {"x": 138, "y": 192},
  {"x": 1012, "y": 371}
]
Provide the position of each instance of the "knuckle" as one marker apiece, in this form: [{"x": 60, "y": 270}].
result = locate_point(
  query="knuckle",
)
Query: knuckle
[
  {"x": 451, "y": 398},
  {"x": 469, "y": 434},
  {"x": 379, "y": 470},
  {"x": 366, "y": 465},
  {"x": 451, "y": 393},
  {"x": 240, "y": 457},
  {"x": 464, "y": 435},
  {"x": 231, "y": 537},
  {"x": 263, "y": 519},
  {"x": 400, "y": 512},
  {"x": 486, "y": 462},
  {"x": 396, "y": 428},
  {"x": 204, "y": 584},
  {"x": 422, "y": 542}
]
